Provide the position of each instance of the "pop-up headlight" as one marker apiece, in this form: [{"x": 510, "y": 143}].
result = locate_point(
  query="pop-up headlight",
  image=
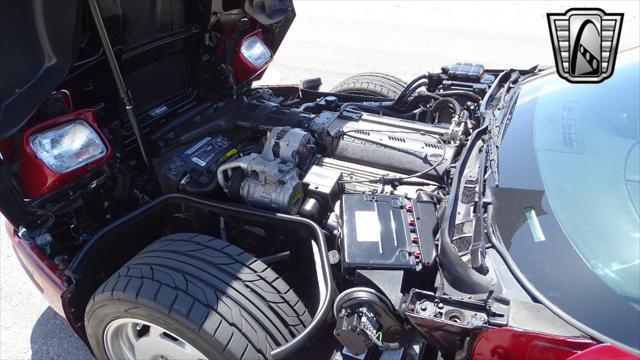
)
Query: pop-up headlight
[
  {"x": 68, "y": 146},
  {"x": 58, "y": 151},
  {"x": 255, "y": 51},
  {"x": 252, "y": 57}
]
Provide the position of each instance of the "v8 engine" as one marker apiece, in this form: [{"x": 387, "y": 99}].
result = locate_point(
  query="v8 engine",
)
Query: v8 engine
[{"x": 357, "y": 150}]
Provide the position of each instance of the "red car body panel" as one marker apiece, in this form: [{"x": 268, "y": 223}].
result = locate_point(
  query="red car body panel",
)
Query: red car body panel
[
  {"x": 507, "y": 343},
  {"x": 43, "y": 272},
  {"x": 604, "y": 351}
]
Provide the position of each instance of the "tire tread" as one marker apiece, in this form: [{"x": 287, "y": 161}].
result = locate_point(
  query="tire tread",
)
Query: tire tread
[
  {"x": 373, "y": 83},
  {"x": 207, "y": 283}
]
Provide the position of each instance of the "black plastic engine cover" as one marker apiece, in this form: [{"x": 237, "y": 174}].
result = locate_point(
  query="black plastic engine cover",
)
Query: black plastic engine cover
[
  {"x": 375, "y": 232},
  {"x": 424, "y": 211}
]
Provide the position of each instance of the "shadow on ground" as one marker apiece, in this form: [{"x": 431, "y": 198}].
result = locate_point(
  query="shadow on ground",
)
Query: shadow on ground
[{"x": 52, "y": 338}]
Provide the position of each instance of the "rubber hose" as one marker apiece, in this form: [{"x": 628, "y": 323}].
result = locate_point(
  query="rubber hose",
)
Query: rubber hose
[{"x": 440, "y": 104}]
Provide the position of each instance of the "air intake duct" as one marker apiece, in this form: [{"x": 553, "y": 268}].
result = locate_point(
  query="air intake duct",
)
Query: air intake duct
[{"x": 265, "y": 116}]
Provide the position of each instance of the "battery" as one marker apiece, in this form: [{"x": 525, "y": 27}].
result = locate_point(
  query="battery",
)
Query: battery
[{"x": 193, "y": 166}]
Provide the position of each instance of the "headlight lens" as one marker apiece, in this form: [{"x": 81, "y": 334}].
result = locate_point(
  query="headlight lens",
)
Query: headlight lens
[
  {"x": 254, "y": 50},
  {"x": 68, "y": 146}
]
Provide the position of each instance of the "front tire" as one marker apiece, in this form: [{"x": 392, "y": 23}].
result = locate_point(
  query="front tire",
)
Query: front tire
[
  {"x": 371, "y": 84},
  {"x": 203, "y": 294}
]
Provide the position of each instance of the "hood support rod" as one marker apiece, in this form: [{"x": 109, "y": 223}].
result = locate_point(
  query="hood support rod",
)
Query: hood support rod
[{"x": 125, "y": 95}]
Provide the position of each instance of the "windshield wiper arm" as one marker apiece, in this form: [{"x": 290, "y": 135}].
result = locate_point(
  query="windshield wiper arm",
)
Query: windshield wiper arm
[
  {"x": 498, "y": 124},
  {"x": 477, "y": 250}
]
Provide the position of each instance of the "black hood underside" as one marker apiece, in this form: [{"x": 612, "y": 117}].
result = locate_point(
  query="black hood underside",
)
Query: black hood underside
[
  {"x": 37, "y": 47},
  {"x": 164, "y": 48}
]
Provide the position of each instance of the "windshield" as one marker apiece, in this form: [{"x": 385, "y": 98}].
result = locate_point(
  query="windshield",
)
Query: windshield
[{"x": 568, "y": 205}]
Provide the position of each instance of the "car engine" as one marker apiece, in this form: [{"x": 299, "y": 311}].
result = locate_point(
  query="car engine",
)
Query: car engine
[{"x": 340, "y": 151}]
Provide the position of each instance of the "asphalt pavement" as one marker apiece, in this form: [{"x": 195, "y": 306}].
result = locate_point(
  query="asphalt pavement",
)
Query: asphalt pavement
[{"x": 335, "y": 39}]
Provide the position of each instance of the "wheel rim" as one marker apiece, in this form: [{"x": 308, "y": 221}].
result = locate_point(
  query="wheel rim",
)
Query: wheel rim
[{"x": 138, "y": 339}]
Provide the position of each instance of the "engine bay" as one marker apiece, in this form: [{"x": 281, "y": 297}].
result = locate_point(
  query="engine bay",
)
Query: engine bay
[{"x": 372, "y": 173}]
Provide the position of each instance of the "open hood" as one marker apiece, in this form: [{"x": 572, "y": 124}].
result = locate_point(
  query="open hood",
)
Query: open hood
[{"x": 165, "y": 48}]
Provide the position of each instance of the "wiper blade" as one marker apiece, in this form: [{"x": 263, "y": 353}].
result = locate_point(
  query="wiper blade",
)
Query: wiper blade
[
  {"x": 508, "y": 102},
  {"x": 477, "y": 250},
  {"x": 499, "y": 120}
]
